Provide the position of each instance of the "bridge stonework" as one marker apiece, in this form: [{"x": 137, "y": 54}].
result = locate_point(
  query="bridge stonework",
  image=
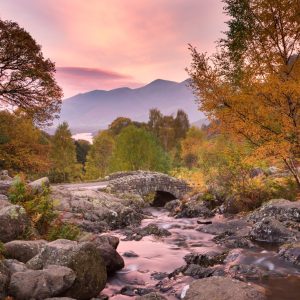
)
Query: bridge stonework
[{"x": 145, "y": 182}]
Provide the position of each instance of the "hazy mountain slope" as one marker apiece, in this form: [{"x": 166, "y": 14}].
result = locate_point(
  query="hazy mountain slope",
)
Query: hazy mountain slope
[{"x": 96, "y": 109}]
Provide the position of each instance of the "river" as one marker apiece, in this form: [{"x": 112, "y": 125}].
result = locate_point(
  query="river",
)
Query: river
[{"x": 157, "y": 256}]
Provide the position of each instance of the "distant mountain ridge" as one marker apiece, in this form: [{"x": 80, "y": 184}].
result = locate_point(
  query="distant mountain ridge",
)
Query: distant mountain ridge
[{"x": 94, "y": 110}]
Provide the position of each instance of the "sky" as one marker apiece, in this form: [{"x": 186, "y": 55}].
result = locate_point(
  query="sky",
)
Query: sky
[{"x": 106, "y": 44}]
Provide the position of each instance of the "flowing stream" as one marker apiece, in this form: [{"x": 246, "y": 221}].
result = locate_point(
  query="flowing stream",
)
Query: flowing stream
[{"x": 157, "y": 256}]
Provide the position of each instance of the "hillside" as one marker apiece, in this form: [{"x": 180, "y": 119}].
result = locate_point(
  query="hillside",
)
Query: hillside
[{"x": 94, "y": 110}]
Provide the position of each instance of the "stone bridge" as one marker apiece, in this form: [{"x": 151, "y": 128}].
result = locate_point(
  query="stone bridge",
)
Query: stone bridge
[{"x": 164, "y": 187}]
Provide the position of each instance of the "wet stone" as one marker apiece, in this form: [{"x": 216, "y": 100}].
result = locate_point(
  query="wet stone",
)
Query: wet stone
[{"x": 130, "y": 254}]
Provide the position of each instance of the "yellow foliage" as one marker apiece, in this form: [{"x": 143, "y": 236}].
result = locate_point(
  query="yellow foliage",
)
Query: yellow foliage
[{"x": 194, "y": 178}]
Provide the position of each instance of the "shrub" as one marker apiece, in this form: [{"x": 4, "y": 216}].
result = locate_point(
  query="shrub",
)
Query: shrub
[{"x": 40, "y": 209}]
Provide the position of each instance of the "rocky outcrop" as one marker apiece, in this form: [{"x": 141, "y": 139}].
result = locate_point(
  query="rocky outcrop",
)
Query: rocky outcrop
[
  {"x": 13, "y": 222},
  {"x": 83, "y": 258},
  {"x": 23, "y": 250},
  {"x": 96, "y": 211},
  {"x": 41, "y": 284},
  {"x": 4, "y": 280},
  {"x": 222, "y": 288}
]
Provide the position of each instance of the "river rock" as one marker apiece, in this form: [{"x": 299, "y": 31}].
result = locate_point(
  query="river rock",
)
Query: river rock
[
  {"x": 151, "y": 296},
  {"x": 230, "y": 227},
  {"x": 173, "y": 206},
  {"x": 194, "y": 209},
  {"x": 4, "y": 280},
  {"x": 39, "y": 185},
  {"x": 107, "y": 246},
  {"x": 83, "y": 258},
  {"x": 41, "y": 284},
  {"x": 291, "y": 253},
  {"x": 222, "y": 288},
  {"x": 96, "y": 211},
  {"x": 14, "y": 266},
  {"x": 271, "y": 231},
  {"x": 13, "y": 222},
  {"x": 280, "y": 209},
  {"x": 23, "y": 250},
  {"x": 207, "y": 259},
  {"x": 151, "y": 229},
  {"x": 130, "y": 254}
]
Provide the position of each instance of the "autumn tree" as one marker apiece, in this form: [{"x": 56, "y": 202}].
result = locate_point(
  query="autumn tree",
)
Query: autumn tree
[
  {"x": 251, "y": 86},
  {"x": 23, "y": 147},
  {"x": 181, "y": 124},
  {"x": 190, "y": 147},
  {"x": 99, "y": 156},
  {"x": 137, "y": 148},
  {"x": 63, "y": 155},
  {"x": 26, "y": 77}
]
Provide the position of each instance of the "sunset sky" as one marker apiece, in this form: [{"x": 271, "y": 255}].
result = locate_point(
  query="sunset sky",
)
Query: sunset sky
[{"x": 105, "y": 44}]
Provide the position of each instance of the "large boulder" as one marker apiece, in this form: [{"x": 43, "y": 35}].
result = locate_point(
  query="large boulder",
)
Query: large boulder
[
  {"x": 83, "y": 258},
  {"x": 14, "y": 266},
  {"x": 280, "y": 209},
  {"x": 222, "y": 288},
  {"x": 41, "y": 284},
  {"x": 23, "y": 250},
  {"x": 270, "y": 230},
  {"x": 13, "y": 222},
  {"x": 39, "y": 185},
  {"x": 107, "y": 246}
]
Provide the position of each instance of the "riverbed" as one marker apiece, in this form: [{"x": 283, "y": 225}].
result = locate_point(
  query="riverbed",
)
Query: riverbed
[{"x": 157, "y": 257}]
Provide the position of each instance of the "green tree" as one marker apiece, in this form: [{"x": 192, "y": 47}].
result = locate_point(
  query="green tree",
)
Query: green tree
[
  {"x": 82, "y": 149},
  {"x": 23, "y": 147},
  {"x": 99, "y": 156},
  {"x": 181, "y": 124},
  {"x": 155, "y": 121},
  {"x": 136, "y": 148},
  {"x": 118, "y": 124},
  {"x": 26, "y": 78},
  {"x": 63, "y": 155}
]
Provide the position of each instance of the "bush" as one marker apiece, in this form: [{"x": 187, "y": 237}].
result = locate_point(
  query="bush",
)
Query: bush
[
  {"x": 40, "y": 209},
  {"x": 61, "y": 230}
]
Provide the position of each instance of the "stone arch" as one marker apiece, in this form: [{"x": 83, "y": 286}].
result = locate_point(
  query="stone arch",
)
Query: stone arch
[{"x": 161, "y": 198}]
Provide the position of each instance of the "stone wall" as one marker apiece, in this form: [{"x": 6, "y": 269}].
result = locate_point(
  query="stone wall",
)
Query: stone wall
[{"x": 145, "y": 182}]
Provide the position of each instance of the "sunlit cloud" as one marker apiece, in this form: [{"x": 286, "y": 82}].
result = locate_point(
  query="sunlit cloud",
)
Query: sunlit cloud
[{"x": 146, "y": 39}]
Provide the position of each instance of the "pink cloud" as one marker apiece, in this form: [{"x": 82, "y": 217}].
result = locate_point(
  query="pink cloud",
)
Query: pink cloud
[
  {"x": 146, "y": 39},
  {"x": 81, "y": 79}
]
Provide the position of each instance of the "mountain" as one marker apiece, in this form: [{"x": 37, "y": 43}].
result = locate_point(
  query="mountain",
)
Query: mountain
[{"x": 91, "y": 111}]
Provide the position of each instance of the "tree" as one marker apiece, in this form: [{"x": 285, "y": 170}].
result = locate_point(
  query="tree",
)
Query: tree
[
  {"x": 26, "y": 77},
  {"x": 155, "y": 121},
  {"x": 63, "y": 155},
  {"x": 251, "y": 86},
  {"x": 82, "y": 149},
  {"x": 118, "y": 124},
  {"x": 190, "y": 147},
  {"x": 99, "y": 156},
  {"x": 136, "y": 149},
  {"x": 181, "y": 124},
  {"x": 23, "y": 147}
]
